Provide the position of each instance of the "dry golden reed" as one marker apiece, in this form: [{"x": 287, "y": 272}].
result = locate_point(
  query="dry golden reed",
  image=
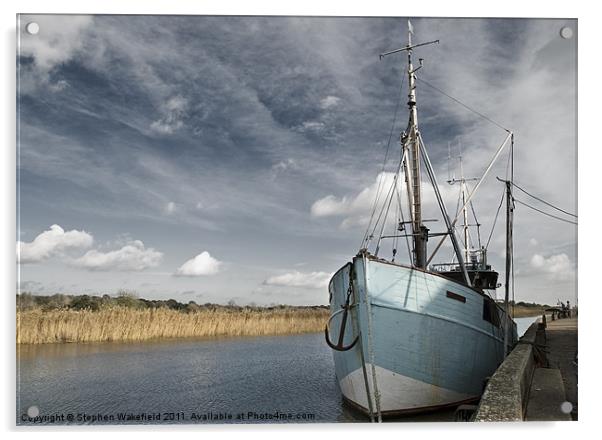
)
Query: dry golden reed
[
  {"x": 523, "y": 312},
  {"x": 127, "y": 324}
]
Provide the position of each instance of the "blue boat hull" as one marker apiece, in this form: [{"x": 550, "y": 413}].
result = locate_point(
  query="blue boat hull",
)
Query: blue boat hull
[{"x": 424, "y": 341}]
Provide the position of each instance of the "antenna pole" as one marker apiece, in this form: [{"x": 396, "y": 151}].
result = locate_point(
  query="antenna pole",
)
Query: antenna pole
[
  {"x": 464, "y": 209},
  {"x": 509, "y": 218}
]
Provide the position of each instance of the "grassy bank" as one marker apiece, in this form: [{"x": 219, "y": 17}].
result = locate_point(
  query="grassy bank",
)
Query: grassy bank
[
  {"x": 83, "y": 318},
  {"x": 119, "y": 323}
]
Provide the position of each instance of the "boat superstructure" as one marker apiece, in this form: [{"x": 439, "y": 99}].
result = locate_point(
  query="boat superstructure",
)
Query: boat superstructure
[{"x": 417, "y": 336}]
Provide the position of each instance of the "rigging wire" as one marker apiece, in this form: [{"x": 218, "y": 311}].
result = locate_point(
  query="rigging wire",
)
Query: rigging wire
[
  {"x": 509, "y": 168},
  {"x": 392, "y": 192},
  {"x": 543, "y": 201},
  {"x": 400, "y": 205},
  {"x": 545, "y": 213},
  {"x": 495, "y": 219},
  {"x": 474, "y": 214},
  {"x": 382, "y": 210},
  {"x": 380, "y": 180},
  {"x": 462, "y": 104}
]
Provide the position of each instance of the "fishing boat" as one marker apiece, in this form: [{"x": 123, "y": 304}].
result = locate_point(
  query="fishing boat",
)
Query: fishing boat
[{"x": 418, "y": 336}]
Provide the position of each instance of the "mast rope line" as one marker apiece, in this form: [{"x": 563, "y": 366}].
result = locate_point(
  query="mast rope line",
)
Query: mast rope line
[
  {"x": 463, "y": 105},
  {"x": 380, "y": 180},
  {"x": 389, "y": 197},
  {"x": 543, "y": 212},
  {"x": 543, "y": 201},
  {"x": 377, "y": 222},
  {"x": 368, "y": 300},
  {"x": 404, "y": 222},
  {"x": 495, "y": 219},
  {"x": 474, "y": 214}
]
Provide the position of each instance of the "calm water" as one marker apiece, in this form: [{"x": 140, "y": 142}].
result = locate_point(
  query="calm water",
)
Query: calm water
[
  {"x": 218, "y": 380},
  {"x": 522, "y": 324},
  {"x": 285, "y": 374}
]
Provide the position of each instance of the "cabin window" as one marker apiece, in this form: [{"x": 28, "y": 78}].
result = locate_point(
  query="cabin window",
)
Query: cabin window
[
  {"x": 455, "y": 296},
  {"x": 490, "y": 312}
]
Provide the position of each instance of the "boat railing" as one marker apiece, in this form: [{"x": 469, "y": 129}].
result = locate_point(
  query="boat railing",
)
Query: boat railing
[{"x": 455, "y": 267}]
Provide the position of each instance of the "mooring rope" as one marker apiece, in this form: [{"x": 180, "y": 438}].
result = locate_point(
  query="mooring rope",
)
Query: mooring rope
[
  {"x": 371, "y": 345},
  {"x": 360, "y": 345}
]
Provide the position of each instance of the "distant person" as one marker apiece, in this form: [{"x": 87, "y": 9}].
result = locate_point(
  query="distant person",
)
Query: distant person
[
  {"x": 562, "y": 313},
  {"x": 568, "y": 307}
]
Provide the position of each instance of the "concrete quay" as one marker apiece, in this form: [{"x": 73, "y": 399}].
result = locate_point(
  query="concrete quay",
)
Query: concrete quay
[{"x": 538, "y": 379}]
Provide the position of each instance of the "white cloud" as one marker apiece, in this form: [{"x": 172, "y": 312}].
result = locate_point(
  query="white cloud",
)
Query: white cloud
[
  {"x": 313, "y": 280},
  {"x": 174, "y": 110},
  {"x": 559, "y": 266},
  {"x": 202, "y": 264},
  {"x": 131, "y": 257},
  {"x": 356, "y": 209},
  {"x": 52, "y": 242},
  {"x": 59, "y": 38},
  {"x": 347, "y": 205},
  {"x": 329, "y": 101}
]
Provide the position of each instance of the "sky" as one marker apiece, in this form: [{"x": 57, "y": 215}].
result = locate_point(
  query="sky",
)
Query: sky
[{"x": 212, "y": 159}]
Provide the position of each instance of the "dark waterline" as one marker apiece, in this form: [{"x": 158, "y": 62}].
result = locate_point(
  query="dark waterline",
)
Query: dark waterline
[{"x": 266, "y": 379}]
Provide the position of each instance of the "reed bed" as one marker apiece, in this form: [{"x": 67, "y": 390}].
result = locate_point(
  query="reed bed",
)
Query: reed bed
[
  {"x": 524, "y": 312},
  {"x": 37, "y": 326}
]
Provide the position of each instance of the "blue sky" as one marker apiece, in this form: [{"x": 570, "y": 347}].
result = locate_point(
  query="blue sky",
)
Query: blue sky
[{"x": 187, "y": 157}]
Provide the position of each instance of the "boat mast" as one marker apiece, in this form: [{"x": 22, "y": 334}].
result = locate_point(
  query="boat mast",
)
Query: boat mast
[
  {"x": 420, "y": 232},
  {"x": 411, "y": 146}
]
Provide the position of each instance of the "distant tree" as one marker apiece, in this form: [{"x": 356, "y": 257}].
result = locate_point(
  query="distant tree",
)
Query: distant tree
[
  {"x": 85, "y": 302},
  {"x": 56, "y": 301},
  {"x": 192, "y": 307},
  {"x": 25, "y": 301},
  {"x": 127, "y": 298}
]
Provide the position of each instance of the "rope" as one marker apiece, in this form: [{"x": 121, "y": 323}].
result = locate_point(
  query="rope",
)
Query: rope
[
  {"x": 377, "y": 195},
  {"x": 389, "y": 193},
  {"x": 370, "y": 345},
  {"x": 389, "y": 197},
  {"x": 545, "y": 213},
  {"x": 495, "y": 220},
  {"x": 361, "y": 346},
  {"x": 463, "y": 105},
  {"x": 404, "y": 222},
  {"x": 543, "y": 201},
  {"x": 388, "y": 205},
  {"x": 474, "y": 214}
]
